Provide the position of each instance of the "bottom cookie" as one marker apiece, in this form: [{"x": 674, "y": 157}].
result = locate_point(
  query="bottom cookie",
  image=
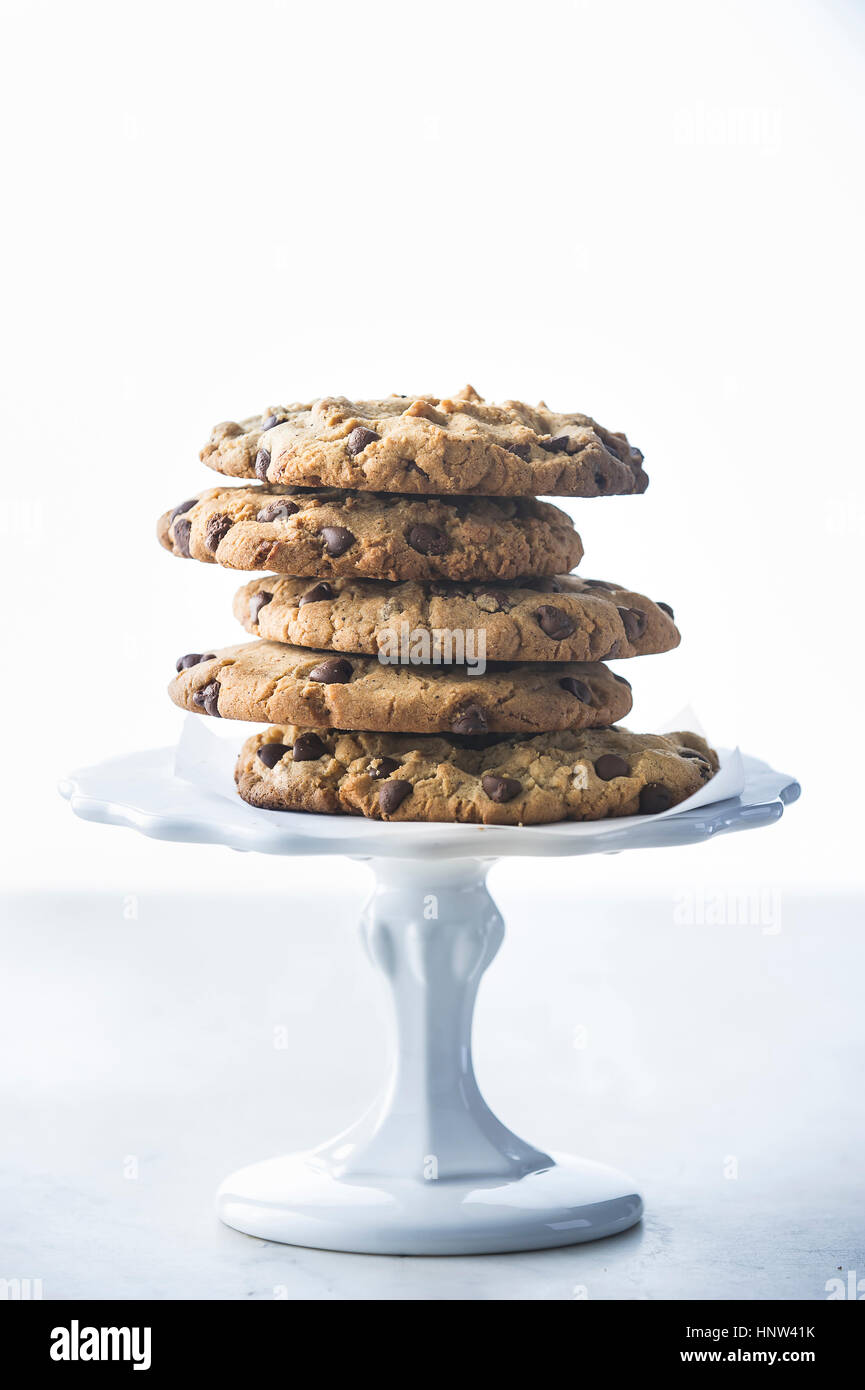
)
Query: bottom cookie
[{"x": 589, "y": 774}]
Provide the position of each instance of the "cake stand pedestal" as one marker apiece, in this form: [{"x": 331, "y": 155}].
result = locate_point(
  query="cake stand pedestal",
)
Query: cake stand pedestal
[{"x": 429, "y": 1170}]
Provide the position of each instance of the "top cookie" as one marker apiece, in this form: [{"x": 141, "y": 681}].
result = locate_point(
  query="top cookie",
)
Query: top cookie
[{"x": 426, "y": 445}]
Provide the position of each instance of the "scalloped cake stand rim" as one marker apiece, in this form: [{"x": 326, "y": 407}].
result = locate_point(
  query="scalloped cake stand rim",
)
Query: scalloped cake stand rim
[{"x": 141, "y": 791}]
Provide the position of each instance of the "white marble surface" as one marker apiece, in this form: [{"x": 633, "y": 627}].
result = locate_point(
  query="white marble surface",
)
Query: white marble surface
[{"x": 138, "y": 1037}]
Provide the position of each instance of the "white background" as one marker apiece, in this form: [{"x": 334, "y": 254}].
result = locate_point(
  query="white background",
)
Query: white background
[{"x": 652, "y": 213}]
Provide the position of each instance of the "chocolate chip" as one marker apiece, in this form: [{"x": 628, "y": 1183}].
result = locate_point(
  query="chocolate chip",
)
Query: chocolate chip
[
  {"x": 317, "y": 594},
  {"x": 576, "y": 688},
  {"x": 427, "y": 540},
  {"x": 269, "y": 423},
  {"x": 478, "y": 742},
  {"x": 218, "y": 526},
  {"x": 610, "y": 765},
  {"x": 492, "y": 601},
  {"x": 206, "y": 698},
  {"x": 193, "y": 659},
  {"x": 554, "y": 622},
  {"x": 359, "y": 438},
  {"x": 392, "y": 795},
  {"x": 182, "y": 532},
  {"x": 684, "y": 752},
  {"x": 558, "y": 445},
  {"x": 262, "y": 461},
  {"x": 501, "y": 788},
  {"x": 522, "y": 451},
  {"x": 334, "y": 671},
  {"x": 184, "y": 507},
  {"x": 635, "y": 622},
  {"x": 337, "y": 539},
  {"x": 279, "y": 510},
  {"x": 381, "y": 767},
  {"x": 665, "y": 607},
  {"x": 472, "y": 720},
  {"x": 256, "y": 603},
  {"x": 272, "y": 753},
  {"x": 600, "y": 480},
  {"x": 620, "y": 679},
  {"x": 308, "y": 747},
  {"x": 612, "y": 446},
  {"x": 654, "y": 798}
]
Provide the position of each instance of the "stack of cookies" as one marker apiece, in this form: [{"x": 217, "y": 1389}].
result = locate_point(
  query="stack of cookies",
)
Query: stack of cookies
[{"x": 421, "y": 651}]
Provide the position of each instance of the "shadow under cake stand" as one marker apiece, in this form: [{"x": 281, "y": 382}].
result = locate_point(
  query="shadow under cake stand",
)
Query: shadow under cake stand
[{"x": 429, "y": 1170}]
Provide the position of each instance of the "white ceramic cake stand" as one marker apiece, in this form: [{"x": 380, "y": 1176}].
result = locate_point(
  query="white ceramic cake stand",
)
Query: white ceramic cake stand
[{"x": 429, "y": 1170}]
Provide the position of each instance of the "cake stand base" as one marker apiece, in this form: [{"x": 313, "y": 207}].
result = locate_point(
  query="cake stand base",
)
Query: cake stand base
[{"x": 296, "y": 1200}]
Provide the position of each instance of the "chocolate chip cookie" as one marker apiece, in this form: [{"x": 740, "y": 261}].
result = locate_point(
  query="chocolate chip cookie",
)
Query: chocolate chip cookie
[
  {"x": 329, "y": 532},
  {"x": 565, "y": 618},
  {"x": 428, "y": 445},
  {"x": 269, "y": 681},
  {"x": 586, "y": 775}
]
